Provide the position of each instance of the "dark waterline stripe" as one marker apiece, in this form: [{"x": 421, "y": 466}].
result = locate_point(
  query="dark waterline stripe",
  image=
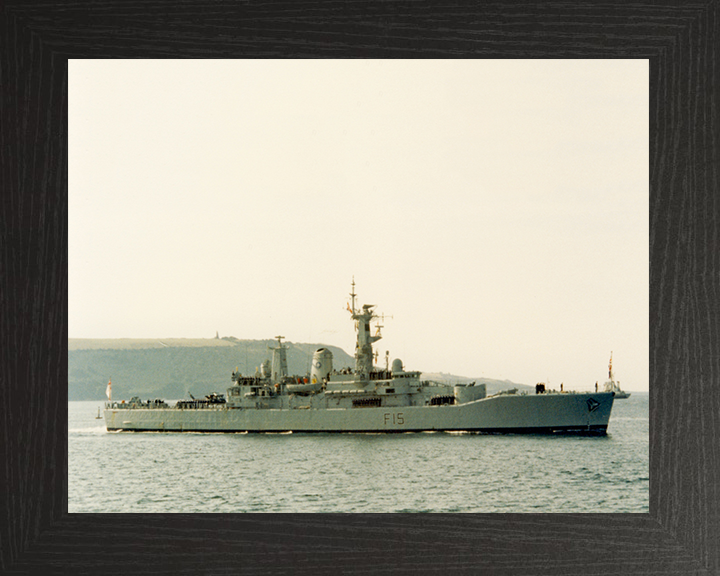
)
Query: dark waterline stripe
[{"x": 569, "y": 430}]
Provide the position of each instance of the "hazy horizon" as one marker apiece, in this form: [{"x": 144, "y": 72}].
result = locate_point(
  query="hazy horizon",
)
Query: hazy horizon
[{"x": 497, "y": 211}]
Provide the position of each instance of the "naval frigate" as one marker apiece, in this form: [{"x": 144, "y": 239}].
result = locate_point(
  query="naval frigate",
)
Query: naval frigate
[{"x": 365, "y": 398}]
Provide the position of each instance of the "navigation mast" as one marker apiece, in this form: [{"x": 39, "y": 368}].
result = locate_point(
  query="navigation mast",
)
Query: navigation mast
[{"x": 363, "y": 347}]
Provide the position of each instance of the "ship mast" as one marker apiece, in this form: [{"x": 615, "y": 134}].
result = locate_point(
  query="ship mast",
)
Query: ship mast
[
  {"x": 363, "y": 347},
  {"x": 352, "y": 295}
]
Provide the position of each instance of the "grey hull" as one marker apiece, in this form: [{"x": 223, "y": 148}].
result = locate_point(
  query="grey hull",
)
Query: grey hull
[{"x": 579, "y": 413}]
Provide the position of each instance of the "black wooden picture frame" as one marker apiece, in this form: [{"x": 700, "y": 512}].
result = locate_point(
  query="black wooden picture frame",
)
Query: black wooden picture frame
[{"x": 681, "y": 533}]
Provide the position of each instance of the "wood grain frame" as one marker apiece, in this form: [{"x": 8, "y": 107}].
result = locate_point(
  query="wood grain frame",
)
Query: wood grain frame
[{"x": 681, "y": 533}]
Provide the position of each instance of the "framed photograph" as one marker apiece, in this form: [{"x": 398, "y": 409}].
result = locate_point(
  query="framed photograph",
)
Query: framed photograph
[{"x": 674, "y": 534}]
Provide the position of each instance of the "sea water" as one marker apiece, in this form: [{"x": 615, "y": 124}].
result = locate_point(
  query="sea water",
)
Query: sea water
[{"x": 408, "y": 472}]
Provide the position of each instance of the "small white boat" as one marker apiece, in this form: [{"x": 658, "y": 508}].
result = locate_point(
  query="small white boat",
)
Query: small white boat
[{"x": 612, "y": 386}]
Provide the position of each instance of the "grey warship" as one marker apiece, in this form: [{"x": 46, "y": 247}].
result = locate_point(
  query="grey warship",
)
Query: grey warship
[{"x": 366, "y": 398}]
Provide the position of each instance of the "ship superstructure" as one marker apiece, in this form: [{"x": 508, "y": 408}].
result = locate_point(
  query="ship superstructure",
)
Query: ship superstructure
[{"x": 364, "y": 398}]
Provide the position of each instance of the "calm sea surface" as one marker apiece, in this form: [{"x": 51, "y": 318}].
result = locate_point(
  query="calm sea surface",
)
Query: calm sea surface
[{"x": 413, "y": 472}]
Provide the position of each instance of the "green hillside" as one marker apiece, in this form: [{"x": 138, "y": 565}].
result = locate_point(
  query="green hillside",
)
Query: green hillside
[{"x": 171, "y": 369}]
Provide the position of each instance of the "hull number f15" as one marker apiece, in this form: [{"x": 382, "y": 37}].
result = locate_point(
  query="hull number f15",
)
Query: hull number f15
[{"x": 389, "y": 418}]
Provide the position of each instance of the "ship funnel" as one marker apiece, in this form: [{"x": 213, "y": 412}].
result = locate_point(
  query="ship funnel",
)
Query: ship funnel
[
  {"x": 279, "y": 364},
  {"x": 321, "y": 365},
  {"x": 279, "y": 360}
]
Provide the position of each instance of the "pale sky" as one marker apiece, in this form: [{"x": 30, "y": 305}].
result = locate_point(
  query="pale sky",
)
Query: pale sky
[{"x": 497, "y": 210}]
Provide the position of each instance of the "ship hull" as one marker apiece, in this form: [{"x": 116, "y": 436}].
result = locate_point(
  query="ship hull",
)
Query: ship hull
[{"x": 575, "y": 413}]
